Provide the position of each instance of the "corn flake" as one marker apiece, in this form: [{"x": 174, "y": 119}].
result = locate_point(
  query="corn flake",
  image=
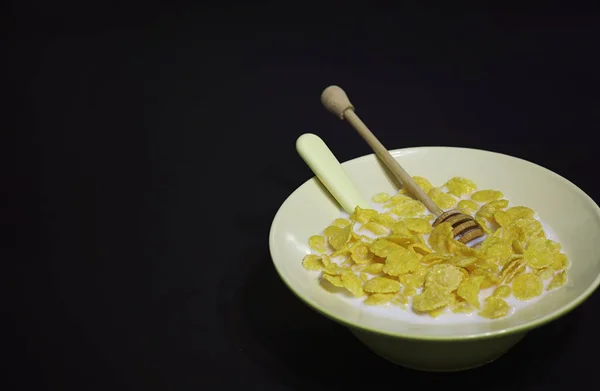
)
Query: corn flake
[
  {"x": 545, "y": 273},
  {"x": 494, "y": 308},
  {"x": 352, "y": 283},
  {"x": 363, "y": 216},
  {"x": 486, "y": 195},
  {"x": 431, "y": 299},
  {"x": 527, "y": 286},
  {"x": 460, "y": 186},
  {"x": 445, "y": 276},
  {"x": 439, "y": 237},
  {"x": 382, "y": 247},
  {"x": 379, "y": 298},
  {"x": 467, "y": 206},
  {"x": 503, "y": 291},
  {"x": 417, "y": 226},
  {"x": 469, "y": 290},
  {"x": 360, "y": 254},
  {"x": 539, "y": 253},
  {"x": 423, "y": 183},
  {"x": 559, "y": 280},
  {"x": 401, "y": 261},
  {"x": 381, "y": 198},
  {"x": 376, "y": 228},
  {"x": 441, "y": 199},
  {"x": 336, "y": 281},
  {"x": 411, "y": 208},
  {"x": 317, "y": 243},
  {"x": 374, "y": 268},
  {"x": 382, "y": 285},
  {"x": 312, "y": 262}
]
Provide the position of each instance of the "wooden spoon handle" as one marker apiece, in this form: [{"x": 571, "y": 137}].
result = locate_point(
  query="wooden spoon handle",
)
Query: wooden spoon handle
[{"x": 335, "y": 100}]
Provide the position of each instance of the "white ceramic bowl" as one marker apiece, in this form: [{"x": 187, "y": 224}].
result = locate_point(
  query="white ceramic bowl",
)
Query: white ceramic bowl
[{"x": 573, "y": 216}]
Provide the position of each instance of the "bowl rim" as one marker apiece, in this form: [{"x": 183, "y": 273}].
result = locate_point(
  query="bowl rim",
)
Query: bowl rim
[{"x": 521, "y": 328}]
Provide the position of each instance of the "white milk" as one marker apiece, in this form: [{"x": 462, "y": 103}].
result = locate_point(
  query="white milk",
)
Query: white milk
[{"x": 408, "y": 315}]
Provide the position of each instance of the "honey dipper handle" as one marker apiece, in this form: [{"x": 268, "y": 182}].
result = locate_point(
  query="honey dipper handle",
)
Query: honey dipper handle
[{"x": 335, "y": 100}]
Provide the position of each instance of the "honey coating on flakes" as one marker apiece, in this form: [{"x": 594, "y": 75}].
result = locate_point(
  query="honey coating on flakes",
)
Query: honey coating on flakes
[{"x": 396, "y": 258}]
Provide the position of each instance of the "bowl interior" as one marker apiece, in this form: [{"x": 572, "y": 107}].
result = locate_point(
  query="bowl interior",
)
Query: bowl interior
[{"x": 571, "y": 214}]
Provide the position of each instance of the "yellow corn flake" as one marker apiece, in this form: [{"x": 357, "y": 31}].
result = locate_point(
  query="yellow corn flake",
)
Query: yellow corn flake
[
  {"x": 445, "y": 276},
  {"x": 467, "y": 206},
  {"x": 398, "y": 199},
  {"x": 486, "y": 195},
  {"x": 436, "y": 313},
  {"x": 435, "y": 258},
  {"x": 381, "y": 198},
  {"x": 431, "y": 299},
  {"x": 317, "y": 243},
  {"x": 469, "y": 290},
  {"x": 383, "y": 219},
  {"x": 488, "y": 210},
  {"x": 401, "y": 261},
  {"x": 400, "y": 299},
  {"x": 423, "y": 183},
  {"x": 312, "y": 262},
  {"x": 561, "y": 261},
  {"x": 417, "y": 226},
  {"x": 326, "y": 260},
  {"x": 333, "y": 269},
  {"x": 497, "y": 249},
  {"x": 352, "y": 283},
  {"x": 527, "y": 286},
  {"x": 520, "y": 212},
  {"x": 331, "y": 230},
  {"x": 439, "y": 237},
  {"x": 404, "y": 241},
  {"x": 400, "y": 229},
  {"x": 494, "y": 308},
  {"x": 518, "y": 247},
  {"x": 360, "y": 254},
  {"x": 503, "y": 291},
  {"x": 540, "y": 253},
  {"x": 363, "y": 216},
  {"x": 559, "y": 280},
  {"x": 463, "y": 262},
  {"x": 379, "y": 298},
  {"x": 410, "y": 208},
  {"x": 502, "y": 218},
  {"x": 545, "y": 273},
  {"x": 522, "y": 230},
  {"x": 512, "y": 269},
  {"x": 382, "y": 247},
  {"x": 374, "y": 268},
  {"x": 341, "y": 223},
  {"x": 339, "y": 239},
  {"x": 461, "y": 249},
  {"x": 336, "y": 281},
  {"x": 462, "y": 307},
  {"x": 364, "y": 277},
  {"x": 460, "y": 186},
  {"x": 382, "y": 285},
  {"x": 376, "y": 228},
  {"x": 420, "y": 249},
  {"x": 441, "y": 199}
]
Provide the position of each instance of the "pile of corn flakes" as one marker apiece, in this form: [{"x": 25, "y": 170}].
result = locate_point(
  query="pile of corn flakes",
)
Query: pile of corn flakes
[{"x": 397, "y": 257}]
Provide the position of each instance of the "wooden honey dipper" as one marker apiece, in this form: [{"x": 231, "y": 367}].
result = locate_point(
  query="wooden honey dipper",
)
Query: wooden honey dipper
[{"x": 465, "y": 228}]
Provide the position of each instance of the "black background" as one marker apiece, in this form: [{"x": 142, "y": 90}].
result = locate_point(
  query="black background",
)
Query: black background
[{"x": 154, "y": 144}]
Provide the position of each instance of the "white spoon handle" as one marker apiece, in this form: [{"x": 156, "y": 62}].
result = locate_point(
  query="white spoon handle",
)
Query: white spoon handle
[{"x": 330, "y": 172}]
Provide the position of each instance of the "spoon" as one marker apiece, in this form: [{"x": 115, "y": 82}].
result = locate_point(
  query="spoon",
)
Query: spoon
[{"x": 330, "y": 172}]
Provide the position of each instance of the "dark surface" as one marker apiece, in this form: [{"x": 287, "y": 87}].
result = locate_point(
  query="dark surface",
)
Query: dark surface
[{"x": 155, "y": 144}]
